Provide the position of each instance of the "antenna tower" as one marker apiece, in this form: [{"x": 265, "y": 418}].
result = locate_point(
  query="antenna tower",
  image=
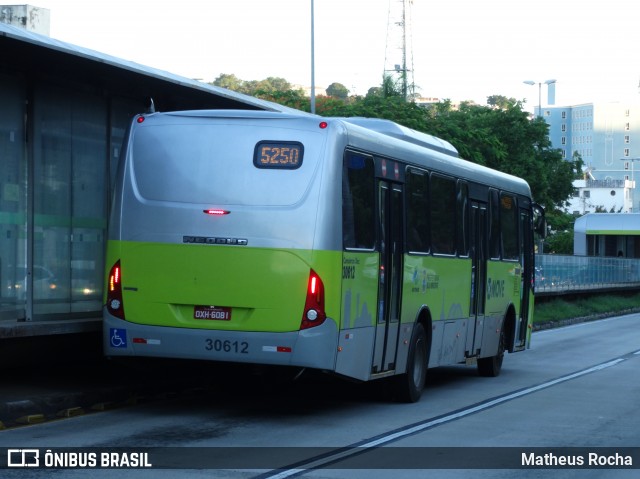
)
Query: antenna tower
[{"x": 398, "y": 58}]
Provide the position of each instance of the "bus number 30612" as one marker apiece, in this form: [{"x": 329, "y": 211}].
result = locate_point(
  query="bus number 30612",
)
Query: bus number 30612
[{"x": 226, "y": 346}]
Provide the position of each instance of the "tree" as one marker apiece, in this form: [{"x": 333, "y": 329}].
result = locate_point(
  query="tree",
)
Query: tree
[
  {"x": 391, "y": 87},
  {"x": 373, "y": 106},
  {"x": 273, "y": 84},
  {"x": 499, "y": 101},
  {"x": 374, "y": 91},
  {"x": 506, "y": 139},
  {"x": 228, "y": 81},
  {"x": 270, "y": 84},
  {"x": 291, "y": 98},
  {"x": 500, "y": 135},
  {"x": 560, "y": 239},
  {"x": 338, "y": 90}
]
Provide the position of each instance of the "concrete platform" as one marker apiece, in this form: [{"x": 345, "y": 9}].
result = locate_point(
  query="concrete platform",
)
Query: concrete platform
[{"x": 43, "y": 379}]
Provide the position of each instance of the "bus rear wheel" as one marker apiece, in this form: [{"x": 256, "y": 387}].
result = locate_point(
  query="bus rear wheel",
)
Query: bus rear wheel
[
  {"x": 409, "y": 385},
  {"x": 490, "y": 367}
]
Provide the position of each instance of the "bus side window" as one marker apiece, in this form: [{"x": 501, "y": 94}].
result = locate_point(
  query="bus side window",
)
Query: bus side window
[
  {"x": 417, "y": 211},
  {"x": 358, "y": 201},
  {"x": 509, "y": 227},
  {"x": 463, "y": 218},
  {"x": 494, "y": 230},
  {"x": 443, "y": 215}
]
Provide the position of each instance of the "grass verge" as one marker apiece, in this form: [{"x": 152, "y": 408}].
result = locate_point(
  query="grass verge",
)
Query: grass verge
[{"x": 560, "y": 309}]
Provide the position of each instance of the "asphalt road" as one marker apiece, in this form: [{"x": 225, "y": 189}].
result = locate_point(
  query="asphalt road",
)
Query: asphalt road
[{"x": 577, "y": 389}]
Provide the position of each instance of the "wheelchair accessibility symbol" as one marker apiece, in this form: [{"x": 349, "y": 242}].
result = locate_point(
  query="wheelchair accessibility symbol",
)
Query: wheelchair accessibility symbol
[{"x": 118, "y": 337}]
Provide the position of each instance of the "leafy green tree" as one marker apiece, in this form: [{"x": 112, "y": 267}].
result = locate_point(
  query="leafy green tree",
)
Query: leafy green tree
[
  {"x": 228, "y": 81},
  {"x": 499, "y": 101},
  {"x": 338, "y": 90},
  {"x": 331, "y": 106},
  {"x": 374, "y": 91},
  {"x": 270, "y": 84},
  {"x": 373, "y": 106},
  {"x": 500, "y": 135},
  {"x": 273, "y": 84},
  {"x": 505, "y": 139},
  {"x": 560, "y": 239},
  {"x": 391, "y": 87},
  {"x": 291, "y": 98}
]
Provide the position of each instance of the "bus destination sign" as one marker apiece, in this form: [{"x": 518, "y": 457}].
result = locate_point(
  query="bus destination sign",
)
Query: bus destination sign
[{"x": 280, "y": 155}]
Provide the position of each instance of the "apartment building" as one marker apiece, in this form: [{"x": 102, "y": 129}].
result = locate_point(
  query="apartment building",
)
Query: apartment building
[{"x": 607, "y": 138}]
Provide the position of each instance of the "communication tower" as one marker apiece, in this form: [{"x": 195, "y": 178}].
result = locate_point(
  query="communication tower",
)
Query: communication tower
[{"x": 398, "y": 62}]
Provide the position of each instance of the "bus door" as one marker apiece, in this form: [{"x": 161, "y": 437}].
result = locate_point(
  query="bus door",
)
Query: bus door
[
  {"x": 527, "y": 264},
  {"x": 478, "y": 241},
  {"x": 389, "y": 219}
]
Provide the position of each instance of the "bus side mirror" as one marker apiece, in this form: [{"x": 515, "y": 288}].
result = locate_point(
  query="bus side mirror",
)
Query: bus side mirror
[{"x": 539, "y": 221}]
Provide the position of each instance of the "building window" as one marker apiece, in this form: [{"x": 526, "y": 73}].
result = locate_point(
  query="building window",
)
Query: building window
[
  {"x": 627, "y": 127},
  {"x": 586, "y": 194},
  {"x": 564, "y": 115},
  {"x": 564, "y": 140},
  {"x": 626, "y": 152},
  {"x": 564, "y": 127},
  {"x": 627, "y": 139}
]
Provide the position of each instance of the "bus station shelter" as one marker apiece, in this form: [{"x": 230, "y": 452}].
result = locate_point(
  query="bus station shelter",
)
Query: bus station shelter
[{"x": 64, "y": 111}]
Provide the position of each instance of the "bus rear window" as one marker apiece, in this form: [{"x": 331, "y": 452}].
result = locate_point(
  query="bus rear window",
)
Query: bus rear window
[{"x": 221, "y": 164}]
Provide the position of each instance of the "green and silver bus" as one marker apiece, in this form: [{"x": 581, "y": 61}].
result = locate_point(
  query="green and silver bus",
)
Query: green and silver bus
[{"x": 349, "y": 245}]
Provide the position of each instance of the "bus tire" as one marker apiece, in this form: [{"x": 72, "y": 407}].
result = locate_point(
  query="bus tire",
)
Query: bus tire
[
  {"x": 490, "y": 367},
  {"x": 409, "y": 385}
]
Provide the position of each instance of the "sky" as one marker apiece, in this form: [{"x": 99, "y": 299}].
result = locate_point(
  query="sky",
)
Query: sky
[{"x": 462, "y": 49}]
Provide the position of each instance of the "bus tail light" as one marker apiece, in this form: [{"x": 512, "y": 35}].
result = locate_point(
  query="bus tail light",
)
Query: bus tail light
[
  {"x": 115, "y": 305},
  {"x": 314, "y": 314}
]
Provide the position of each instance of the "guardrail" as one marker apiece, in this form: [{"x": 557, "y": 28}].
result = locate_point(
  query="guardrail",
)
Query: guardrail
[{"x": 560, "y": 274}]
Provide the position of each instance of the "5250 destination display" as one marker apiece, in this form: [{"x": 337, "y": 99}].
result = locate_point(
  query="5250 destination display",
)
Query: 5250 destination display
[{"x": 286, "y": 155}]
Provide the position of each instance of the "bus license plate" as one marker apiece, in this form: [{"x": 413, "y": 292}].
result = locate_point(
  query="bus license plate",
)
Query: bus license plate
[{"x": 216, "y": 313}]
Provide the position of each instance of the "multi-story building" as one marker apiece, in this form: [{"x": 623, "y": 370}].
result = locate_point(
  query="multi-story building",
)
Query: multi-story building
[
  {"x": 607, "y": 137},
  {"x": 600, "y": 196}
]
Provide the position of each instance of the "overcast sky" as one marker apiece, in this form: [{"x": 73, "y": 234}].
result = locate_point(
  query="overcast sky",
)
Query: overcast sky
[{"x": 462, "y": 49}]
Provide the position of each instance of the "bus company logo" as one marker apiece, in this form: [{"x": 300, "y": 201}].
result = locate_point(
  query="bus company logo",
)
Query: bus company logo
[
  {"x": 212, "y": 240},
  {"x": 495, "y": 288},
  {"x": 23, "y": 458}
]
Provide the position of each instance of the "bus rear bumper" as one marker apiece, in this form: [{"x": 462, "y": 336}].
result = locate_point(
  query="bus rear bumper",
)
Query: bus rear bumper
[{"x": 313, "y": 348}]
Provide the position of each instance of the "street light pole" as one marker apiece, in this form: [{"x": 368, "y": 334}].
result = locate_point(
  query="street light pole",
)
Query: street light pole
[{"x": 546, "y": 82}]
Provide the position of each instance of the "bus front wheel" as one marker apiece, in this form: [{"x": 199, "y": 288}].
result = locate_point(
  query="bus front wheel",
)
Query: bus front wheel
[{"x": 410, "y": 384}]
